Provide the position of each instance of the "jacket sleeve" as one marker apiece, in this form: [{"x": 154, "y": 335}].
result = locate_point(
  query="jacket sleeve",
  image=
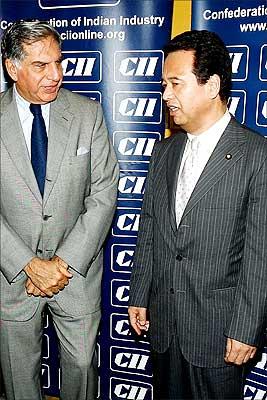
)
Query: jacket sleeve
[
  {"x": 141, "y": 277},
  {"x": 15, "y": 254},
  {"x": 83, "y": 243},
  {"x": 249, "y": 317}
]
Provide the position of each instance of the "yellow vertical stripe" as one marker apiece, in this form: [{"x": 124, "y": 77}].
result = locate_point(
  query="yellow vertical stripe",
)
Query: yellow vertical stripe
[
  {"x": 181, "y": 18},
  {"x": 181, "y": 22}
]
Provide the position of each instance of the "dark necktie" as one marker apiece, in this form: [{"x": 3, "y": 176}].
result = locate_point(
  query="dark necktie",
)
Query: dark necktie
[{"x": 38, "y": 146}]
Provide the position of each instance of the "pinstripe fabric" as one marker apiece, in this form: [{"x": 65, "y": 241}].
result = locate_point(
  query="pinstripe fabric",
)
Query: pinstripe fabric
[
  {"x": 175, "y": 379},
  {"x": 209, "y": 275}
]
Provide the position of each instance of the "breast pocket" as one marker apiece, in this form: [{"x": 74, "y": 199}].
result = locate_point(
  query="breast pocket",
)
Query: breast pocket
[
  {"x": 80, "y": 160},
  {"x": 79, "y": 169}
]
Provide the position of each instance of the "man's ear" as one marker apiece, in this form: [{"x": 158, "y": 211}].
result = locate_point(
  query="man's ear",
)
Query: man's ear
[
  {"x": 11, "y": 69},
  {"x": 214, "y": 85}
]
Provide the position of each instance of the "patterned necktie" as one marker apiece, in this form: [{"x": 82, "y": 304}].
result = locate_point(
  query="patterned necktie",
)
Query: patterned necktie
[
  {"x": 38, "y": 146},
  {"x": 187, "y": 179}
]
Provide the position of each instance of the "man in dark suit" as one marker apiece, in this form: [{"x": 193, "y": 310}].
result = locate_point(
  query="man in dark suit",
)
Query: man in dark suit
[
  {"x": 199, "y": 273},
  {"x": 58, "y": 193}
]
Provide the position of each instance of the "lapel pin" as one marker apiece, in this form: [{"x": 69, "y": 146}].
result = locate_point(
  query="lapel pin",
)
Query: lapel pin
[{"x": 228, "y": 156}]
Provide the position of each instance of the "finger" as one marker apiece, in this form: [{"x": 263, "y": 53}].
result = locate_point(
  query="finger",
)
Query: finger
[
  {"x": 143, "y": 327},
  {"x": 33, "y": 290},
  {"x": 253, "y": 353},
  {"x": 247, "y": 357},
  {"x": 141, "y": 316},
  {"x": 228, "y": 348},
  {"x": 133, "y": 321},
  {"x": 241, "y": 356},
  {"x": 61, "y": 285},
  {"x": 65, "y": 271},
  {"x": 232, "y": 355},
  {"x": 135, "y": 326},
  {"x": 47, "y": 292}
]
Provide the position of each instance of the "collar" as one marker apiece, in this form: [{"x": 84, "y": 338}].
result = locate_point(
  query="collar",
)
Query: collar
[
  {"x": 24, "y": 105},
  {"x": 213, "y": 134}
]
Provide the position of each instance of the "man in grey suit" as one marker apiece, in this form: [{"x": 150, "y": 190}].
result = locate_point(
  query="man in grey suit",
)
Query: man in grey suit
[
  {"x": 56, "y": 211},
  {"x": 199, "y": 274}
]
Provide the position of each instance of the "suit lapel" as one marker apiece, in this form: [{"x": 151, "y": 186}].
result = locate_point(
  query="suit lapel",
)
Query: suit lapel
[
  {"x": 227, "y": 152},
  {"x": 13, "y": 138},
  {"x": 173, "y": 165},
  {"x": 59, "y": 131}
]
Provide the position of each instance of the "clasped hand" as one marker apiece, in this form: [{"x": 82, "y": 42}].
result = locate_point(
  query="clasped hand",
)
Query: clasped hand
[
  {"x": 238, "y": 353},
  {"x": 46, "y": 277}
]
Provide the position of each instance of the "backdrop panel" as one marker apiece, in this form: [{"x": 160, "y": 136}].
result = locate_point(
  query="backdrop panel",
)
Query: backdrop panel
[{"x": 112, "y": 53}]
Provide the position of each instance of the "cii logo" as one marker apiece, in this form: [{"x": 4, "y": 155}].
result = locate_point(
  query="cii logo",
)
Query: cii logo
[
  {"x": 138, "y": 66},
  {"x": 126, "y": 222},
  {"x": 120, "y": 328},
  {"x": 137, "y": 107},
  {"x": 122, "y": 257},
  {"x": 45, "y": 371},
  {"x": 261, "y": 113},
  {"x": 46, "y": 346},
  {"x": 237, "y": 104},
  {"x": 132, "y": 185},
  {"x": 129, "y": 390},
  {"x": 256, "y": 387},
  {"x": 119, "y": 292},
  {"x": 263, "y": 63},
  {"x": 128, "y": 360},
  {"x": 53, "y": 4},
  {"x": 134, "y": 146},
  {"x": 239, "y": 56},
  {"x": 255, "y": 392},
  {"x": 82, "y": 66}
]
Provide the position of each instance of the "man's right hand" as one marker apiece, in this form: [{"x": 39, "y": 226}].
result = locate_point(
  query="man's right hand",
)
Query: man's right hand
[
  {"x": 138, "y": 321},
  {"x": 49, "y": 276}
]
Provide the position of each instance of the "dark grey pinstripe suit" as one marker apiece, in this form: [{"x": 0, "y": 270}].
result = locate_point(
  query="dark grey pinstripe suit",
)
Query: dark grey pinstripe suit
[{"x": 209, "y": 276}]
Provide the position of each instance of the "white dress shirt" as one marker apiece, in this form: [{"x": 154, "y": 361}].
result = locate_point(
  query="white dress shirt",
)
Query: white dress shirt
[
  {"x": 26, "y": 117},
  {"x": 207, "y": 142}
]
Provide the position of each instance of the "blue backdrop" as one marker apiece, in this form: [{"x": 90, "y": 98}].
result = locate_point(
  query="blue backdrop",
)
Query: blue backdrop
[{"x": 112, "y": 53}]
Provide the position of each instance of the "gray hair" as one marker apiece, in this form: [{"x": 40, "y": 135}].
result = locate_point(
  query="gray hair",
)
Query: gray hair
[{"x": 25, "y": 32}]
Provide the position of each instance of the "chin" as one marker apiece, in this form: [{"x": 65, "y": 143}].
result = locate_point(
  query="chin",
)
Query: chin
[{"x": 48, "y": 99}]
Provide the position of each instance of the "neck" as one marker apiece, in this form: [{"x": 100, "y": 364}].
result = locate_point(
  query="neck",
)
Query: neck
[{"x": 209, "y": 120}]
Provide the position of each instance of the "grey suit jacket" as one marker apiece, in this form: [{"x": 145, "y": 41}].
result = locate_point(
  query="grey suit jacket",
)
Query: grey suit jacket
[
  {"x": 74, "y": 216},
  {"x": 208, "y": 276}
]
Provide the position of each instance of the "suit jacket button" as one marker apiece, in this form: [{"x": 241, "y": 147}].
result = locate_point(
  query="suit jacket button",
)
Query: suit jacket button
[
  {"x": 46, "y": 217},
  {"x": 171, "y": 290},
  {"x": 39, "y": 251},
  {"x": 179, "y": 257}
]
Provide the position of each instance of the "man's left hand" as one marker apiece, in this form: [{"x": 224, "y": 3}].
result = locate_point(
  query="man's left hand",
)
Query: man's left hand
[
  {"x": 238, "y": 353},
  {"x": 33, "y": 290}
]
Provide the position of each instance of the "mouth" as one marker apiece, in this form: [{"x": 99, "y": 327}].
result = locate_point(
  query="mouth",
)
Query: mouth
[
  {"x": 51, "y": 89},
  {"x": 173, "y": 109}
]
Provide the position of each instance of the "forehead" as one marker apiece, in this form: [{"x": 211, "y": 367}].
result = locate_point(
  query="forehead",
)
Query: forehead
[
  {"x": 178, "y": 63},
  {"x": 45, "y": 47}
]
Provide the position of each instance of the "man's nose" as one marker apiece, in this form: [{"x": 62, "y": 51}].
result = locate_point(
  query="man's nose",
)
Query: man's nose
[
  {"x": 54, "y": 72},
  {"x": 167, "y": 94}
]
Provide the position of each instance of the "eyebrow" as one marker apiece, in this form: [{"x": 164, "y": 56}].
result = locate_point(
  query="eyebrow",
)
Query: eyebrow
[
  {"x": 171, "y": 78},
  {"x": 60, "y": 59}
]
